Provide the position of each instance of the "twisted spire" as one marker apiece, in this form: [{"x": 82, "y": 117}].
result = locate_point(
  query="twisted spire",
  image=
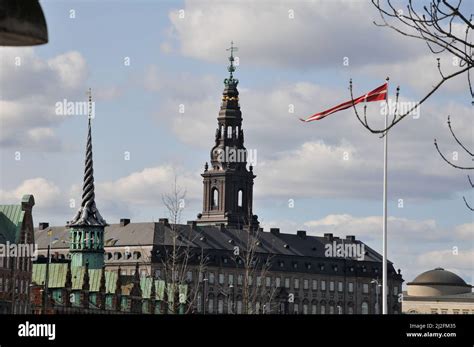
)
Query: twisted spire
[{"x": 88, "y": 214}]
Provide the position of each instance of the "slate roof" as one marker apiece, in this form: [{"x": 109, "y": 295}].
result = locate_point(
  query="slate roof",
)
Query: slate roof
[{"x": 205, "y": 237}]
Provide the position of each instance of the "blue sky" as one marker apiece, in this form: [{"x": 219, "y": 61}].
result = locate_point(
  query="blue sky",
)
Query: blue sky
[{"x": 283, "y": 61}]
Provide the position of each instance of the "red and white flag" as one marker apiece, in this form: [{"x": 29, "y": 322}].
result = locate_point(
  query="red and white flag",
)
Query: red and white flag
[{"x": 378, "y": 94}]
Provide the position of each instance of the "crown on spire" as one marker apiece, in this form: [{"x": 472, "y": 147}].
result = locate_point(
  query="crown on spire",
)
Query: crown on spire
[
  {"x": 88, "y": 214},
  {"x": 231, "y": 68}
]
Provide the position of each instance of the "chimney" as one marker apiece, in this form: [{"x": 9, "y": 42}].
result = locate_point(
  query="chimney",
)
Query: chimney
[
  {"x": 328, "y": 236},
  {"x": 350, "y": 238},
  {"x": 301, "y": 233},
  {"x": 43, "y": 225},
  {"x": 222, "y": 227},
  {"x": 275, "y": 231},
  {"x": 164, "y": 221},
  {"x": 192, "y": 223},
  {"x": 124, "y": 222}
]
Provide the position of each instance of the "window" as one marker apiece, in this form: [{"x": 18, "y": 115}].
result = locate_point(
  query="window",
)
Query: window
[
  {"x": 287, "y": 282},
  {"x": 305, "y": 308},
  {"x": 315, "y": 285},
  {"x": 350, "y": 288},
  {"x": 365, "y": 288},
  {"x": 250, "y": 280},
  {"x": 215, "y": 198},
  {"x": 142, "y": 273},
  {"x": 268, "y": 281},
  {"x": 189, "y": 276},
  {"x": 296, "y": 308},
  {"x": 239, "y": 280},
  {"x": 444, "y": 311},
  {"x": 331, "y": 308},
  {"x": 314, "y": 308},
  {"x": 434, "y": 311},
  {"x": 221, "y": 279},
  {"x": 239, "y": 306},
  {"x": 231, "y": 279},
  {"x": 365, "y": 308},
  {"x": 305, "y": 284},
  {"x": 323, "y": 308},
  {"x": 331, "y": 286},
  {"x": 199, "y": 302},
  {"x": 339, "y": 287},
  {"x": 229, "y": 132},
  {"x": 323, "y": 286},
  {"x": 220, "y": 305},
  {"x": 211, "y": 277},
  {"x": 350, "y": 310},
  {"x": 277, "y": 282},
  {"x": 297, "y": 283},
  {"x": 259, "y": 281},
  {"x": 395, "y": 290},
  {"x": 239, "y": 198},
  {"x": 210, "y": 308}
]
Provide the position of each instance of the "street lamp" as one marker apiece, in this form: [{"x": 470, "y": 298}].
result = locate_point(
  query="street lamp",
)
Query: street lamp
[{"x": 377, "y": 285}]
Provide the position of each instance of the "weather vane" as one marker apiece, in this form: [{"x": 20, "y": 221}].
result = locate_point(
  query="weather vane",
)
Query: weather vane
[{"x": 231, "y": 68}]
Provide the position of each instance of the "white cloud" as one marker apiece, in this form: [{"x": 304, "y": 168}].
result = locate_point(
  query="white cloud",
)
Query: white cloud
[
  {"x": 31, "y": 86},
  {"x": 46, "y": 192},
  {"x": 283, "y": 33},
  {"x": 146, "y": 187}
]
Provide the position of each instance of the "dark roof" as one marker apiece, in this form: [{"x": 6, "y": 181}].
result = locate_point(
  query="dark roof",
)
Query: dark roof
[
  {"x": 439, "y": 276},
  {"x": 205, "y": 237}
]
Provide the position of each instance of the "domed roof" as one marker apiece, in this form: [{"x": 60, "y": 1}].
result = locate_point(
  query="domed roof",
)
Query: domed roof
[{"x": 439, "y": 276}]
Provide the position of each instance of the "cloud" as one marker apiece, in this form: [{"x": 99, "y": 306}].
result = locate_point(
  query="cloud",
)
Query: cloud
[
  {"x": 46, "y": 192},
  {"x": 291, "y": 34},
  {"x": 31, "y": 86}
]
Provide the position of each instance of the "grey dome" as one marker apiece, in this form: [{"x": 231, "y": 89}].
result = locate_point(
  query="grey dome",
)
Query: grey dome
[{"x": 439, "y": 276}]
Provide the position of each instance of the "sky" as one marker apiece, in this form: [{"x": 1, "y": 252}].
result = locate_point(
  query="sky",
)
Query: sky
[{"x": 148, "y": 60}]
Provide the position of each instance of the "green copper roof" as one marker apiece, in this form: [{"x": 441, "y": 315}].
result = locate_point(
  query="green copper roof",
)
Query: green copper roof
[{"x": 11, "y": 220}]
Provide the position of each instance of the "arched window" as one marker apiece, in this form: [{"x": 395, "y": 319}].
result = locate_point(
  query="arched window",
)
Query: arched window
[
  {"x": 220, "y": 304},
  {"x": 314, "y": 307},
  {"x": 222, "y": 131},
  {"x": 215, "y": 198},
  {"x": 210, "y": 302},
  {"x": 365, "y": 308},
  {"x": 323, "y": 307},
  {"x": 305, "y": 307},
  {"x": 229, "y": 132},
  {"x": 240, "y": 198}
]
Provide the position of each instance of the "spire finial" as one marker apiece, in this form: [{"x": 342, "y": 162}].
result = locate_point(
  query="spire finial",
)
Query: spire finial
[
  {"x": 88, "y": 213},
  {"x": 231, "y": 67}
]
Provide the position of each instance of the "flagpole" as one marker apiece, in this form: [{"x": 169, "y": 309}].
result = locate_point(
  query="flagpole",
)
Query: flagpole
[{"x": 384, "y": 236}]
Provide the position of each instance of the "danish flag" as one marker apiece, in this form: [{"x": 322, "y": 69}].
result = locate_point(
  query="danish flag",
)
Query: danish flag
[{"x": 378, "y": 94}]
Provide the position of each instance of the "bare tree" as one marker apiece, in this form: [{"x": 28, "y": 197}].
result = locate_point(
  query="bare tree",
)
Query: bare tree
[
  {"x": 180, "y": 257},
  {"x": 436, "y": 25},
  {"x": 470, "y": 153},
  {"x": 254, "y": 268}
]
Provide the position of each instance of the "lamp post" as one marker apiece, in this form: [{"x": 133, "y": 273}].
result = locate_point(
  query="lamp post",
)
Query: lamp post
[{"x": 377, "y": 285}]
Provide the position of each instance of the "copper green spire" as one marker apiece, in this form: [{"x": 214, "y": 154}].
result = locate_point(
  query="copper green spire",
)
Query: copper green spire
[
  {"x": 231, "y": 68},
  {"x": 88, "y": 214}
]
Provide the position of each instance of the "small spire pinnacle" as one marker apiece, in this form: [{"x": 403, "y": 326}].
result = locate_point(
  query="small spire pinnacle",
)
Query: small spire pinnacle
[
  {"x": 231, "y": 67},
  {"x": 88, "y": 213}
]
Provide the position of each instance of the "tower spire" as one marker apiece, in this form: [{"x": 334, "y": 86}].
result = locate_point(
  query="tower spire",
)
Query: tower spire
[
  {"x": 228, "y": 183},
  {"x": 88, "y": 213},
  {"x": 231, "y": 67}
]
